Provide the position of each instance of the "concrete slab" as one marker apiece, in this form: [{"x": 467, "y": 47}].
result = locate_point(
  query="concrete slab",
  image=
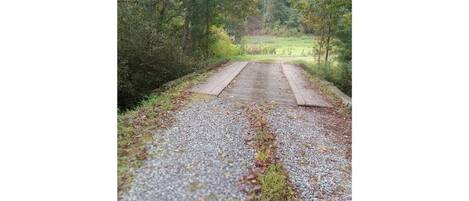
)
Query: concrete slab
[
  {"x": 304, "y": 94},
  {"x": 259, "y": 83},
  {"x": 218, "y": 81}
]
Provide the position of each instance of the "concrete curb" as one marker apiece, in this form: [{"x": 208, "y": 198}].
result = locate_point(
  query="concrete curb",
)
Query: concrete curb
[{"x": 346, "y": 100}]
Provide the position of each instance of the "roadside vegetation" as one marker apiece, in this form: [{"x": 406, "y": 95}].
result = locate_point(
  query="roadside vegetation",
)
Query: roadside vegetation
[
  {"x": 330, "y": 21},
  {"x": 340, "y": 74}
]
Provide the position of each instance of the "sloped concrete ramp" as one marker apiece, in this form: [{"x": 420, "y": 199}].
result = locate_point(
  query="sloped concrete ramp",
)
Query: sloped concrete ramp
[
  {"x": 301, "y": 87},
  {"x": 217, "y": 82},
  {"x": 260, "y": 82}
]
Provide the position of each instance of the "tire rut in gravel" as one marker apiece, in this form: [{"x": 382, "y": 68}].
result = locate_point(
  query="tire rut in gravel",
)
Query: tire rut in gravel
[
  {"x": 317, "y": 166},
  {"x": 201, "y": 157}
]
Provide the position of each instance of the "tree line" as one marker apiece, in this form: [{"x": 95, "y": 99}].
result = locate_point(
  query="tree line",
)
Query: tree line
[
  {"x": 331, "y": 24},
  {"x": 160, "y": 40}
]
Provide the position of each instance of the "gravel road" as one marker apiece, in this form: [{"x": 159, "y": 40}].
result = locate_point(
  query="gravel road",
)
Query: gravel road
[
  {"x": 201, "y": 157},
  {"x": 317, "y": 166}
]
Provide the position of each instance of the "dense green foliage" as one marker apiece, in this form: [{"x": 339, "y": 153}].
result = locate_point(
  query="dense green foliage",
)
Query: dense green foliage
[
  {"x": 148, "y": 55},
  {"x": 331, "y": 24},
  {"x": 339, "y": 74},
  {"x": 222, "y": 46},
  {"x": 280, "y": 18},
  {"x": 160, "y": 40},
  {"x": 330, "y": 21}
]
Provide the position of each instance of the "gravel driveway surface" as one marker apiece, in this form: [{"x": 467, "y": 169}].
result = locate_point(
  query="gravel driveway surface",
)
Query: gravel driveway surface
[
  {"x": 317, "y": 166},
  {"x": 201, "y": 157}
]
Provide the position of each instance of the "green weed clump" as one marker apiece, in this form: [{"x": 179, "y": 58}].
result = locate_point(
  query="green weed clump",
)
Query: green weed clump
[
  {"x": 262, "y": 155},
  {"x": 274, "y": 186},
  {"x": 222, "y": 45}
]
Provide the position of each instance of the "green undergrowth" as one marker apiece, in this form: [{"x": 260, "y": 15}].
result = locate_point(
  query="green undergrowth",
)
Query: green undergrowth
[
  {"x": 339, "y": 74},
  {"x": 222, "y": 46},
  {"x": 326, "y": 90},
  {"x": 135, "y": 126}
]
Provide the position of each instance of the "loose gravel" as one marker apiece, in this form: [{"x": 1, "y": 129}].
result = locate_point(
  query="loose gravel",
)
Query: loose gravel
[
  {"x": 201, "y": 157},
  {"x": 317, "y": 167}
]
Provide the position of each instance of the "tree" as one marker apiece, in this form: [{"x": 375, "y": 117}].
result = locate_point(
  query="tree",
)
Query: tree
[
  {"x": 326, "y": 17},
  {"x": 161, "y": 40}
]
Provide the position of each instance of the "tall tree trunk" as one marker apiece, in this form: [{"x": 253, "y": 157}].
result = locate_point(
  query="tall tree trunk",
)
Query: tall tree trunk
[
  {"x": 328, "y": 46},
  {"x": 163, "y": 9},
  {"x": 327, "y": 49},
  {"x": 207, "y": 29},
  {"x": 321, "y": 44},
  {"x": 319, "y": 54},
  {"x": 187, "y": 31}
]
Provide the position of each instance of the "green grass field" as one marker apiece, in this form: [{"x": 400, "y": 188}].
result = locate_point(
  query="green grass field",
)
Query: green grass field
[
  {"x": 274, "y": 48},
  {"x": 297, "y": 50}
]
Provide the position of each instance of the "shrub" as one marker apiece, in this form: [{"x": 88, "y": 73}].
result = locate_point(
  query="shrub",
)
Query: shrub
[
  {"x": 221, "y": 44},
  {"x": 340, "y": 75}
]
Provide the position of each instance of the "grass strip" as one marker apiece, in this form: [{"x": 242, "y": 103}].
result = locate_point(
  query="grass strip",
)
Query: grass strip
[{"x": 269, "y": 179}]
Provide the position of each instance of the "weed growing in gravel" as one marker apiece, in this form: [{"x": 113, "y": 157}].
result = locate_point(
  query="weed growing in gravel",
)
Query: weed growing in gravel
[
  {"x": 194, "y": 186},
  {"x": 262, "y": 155},
  {"x": 274, "y": 185}
]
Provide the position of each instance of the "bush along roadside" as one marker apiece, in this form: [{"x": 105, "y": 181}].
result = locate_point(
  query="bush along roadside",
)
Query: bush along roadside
[
  {"x": 135, "y": 126},
  {"x": 268, "y": 180},
  {"x": 342, "y": 103},
  {"x": 340, "y": 74}
]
